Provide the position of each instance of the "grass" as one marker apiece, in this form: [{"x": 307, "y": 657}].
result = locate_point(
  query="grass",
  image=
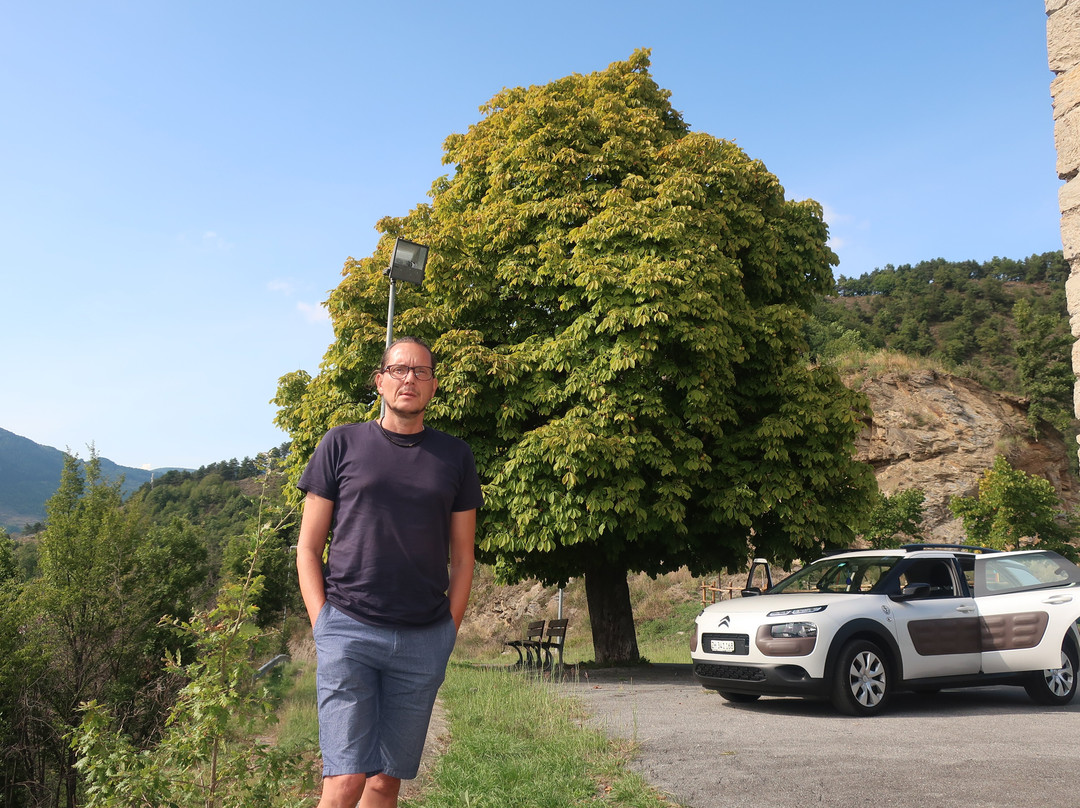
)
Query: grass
[
  {"x": 298, "y": 716},
  {"x": 515, "y": 741},
  {"x": 858, "y": 366},
  {"x": 667, "y": 639}
]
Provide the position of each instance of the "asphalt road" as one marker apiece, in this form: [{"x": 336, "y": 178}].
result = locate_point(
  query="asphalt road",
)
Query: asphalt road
[{"x": 975, "y": 748}]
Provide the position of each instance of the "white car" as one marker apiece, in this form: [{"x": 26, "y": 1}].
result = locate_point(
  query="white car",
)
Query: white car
[{"x": 856, "y": 627}]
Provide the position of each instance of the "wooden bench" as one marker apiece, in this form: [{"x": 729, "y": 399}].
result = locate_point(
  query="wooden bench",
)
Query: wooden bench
[
  {"x": 556, "y": 636},
  {"x": 534, "y": 636}
]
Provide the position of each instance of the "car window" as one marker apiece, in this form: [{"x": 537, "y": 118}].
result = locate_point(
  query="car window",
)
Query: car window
[
  {"x": 1014, "y": 573},
  {"x": 838, "y": 575},
  {"x": 934, "y": 572},
  {"x": 967, "y": 564}
]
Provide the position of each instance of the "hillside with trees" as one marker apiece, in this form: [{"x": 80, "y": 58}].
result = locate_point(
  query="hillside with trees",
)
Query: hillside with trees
[
  {"x": 30, "y": 473},
  {"x": 1002, "y": 323}
]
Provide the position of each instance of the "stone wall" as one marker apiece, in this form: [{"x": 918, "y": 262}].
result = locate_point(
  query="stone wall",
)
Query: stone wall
[{"x": 1063, "y": 50}]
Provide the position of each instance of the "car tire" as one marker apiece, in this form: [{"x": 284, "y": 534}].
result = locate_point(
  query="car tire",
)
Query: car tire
[
  {"x": 1056, "y": 686},
  {"x": 862, "y": 679},
  {"x": 738, "y": 698}
]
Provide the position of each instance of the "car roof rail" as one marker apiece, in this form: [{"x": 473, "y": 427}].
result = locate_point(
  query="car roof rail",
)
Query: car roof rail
[{"x": 960, "y": 548}]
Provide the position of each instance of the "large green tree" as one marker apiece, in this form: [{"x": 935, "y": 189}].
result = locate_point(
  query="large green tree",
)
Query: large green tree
[{"x": 618, "y": 304}]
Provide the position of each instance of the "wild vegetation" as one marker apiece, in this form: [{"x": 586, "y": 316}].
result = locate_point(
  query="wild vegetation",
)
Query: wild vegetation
[{"x": 112, "y": 580}]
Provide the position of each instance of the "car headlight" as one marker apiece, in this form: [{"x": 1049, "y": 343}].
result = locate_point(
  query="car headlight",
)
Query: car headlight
[
  {"x": 803, "y": 610},
  {"x": 793, "y": 630}
]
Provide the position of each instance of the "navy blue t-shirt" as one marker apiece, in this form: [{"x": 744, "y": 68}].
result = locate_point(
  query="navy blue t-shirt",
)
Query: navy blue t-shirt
[{"x": 390, "y": 543}]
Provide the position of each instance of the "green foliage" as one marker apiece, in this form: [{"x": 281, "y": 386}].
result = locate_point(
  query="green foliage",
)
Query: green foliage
[
  {"x": 21, "y": 666},
  {"x": 30, "y": 474},
  {"x": 275, "y": 564},
  {"x": 830, "y": 340},
  {"x": 1050, "y": 267},
  {"x": 206, "y": 756},
  {"x": 1043, "y": 353},
  {"x": 215, "y": 506},
  {"x": 1014, "y": 507},
  {"x": 90, "y": 617},
  {"x": 897, "y": 519},
  {"x": 9, "y": 566}
]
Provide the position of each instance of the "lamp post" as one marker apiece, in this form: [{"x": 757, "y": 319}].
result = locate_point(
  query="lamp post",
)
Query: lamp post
[{"x": 406, "y": 264}]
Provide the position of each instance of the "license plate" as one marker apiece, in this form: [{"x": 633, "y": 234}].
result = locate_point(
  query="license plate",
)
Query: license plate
[{"x": 722, "y": 646}]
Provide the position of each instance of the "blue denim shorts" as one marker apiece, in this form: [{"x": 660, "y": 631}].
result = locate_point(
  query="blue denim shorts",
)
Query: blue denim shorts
[{"x": 376, "y": 689}]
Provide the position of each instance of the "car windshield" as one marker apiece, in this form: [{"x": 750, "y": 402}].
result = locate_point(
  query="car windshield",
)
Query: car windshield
[
  {"x": 1014, "y": 573},
  {"x": 858, "y": 574}
]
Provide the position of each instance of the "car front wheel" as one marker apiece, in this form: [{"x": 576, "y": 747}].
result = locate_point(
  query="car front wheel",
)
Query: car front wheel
[
  {"x": 1056, "y": 686},
  {"x": 862, "y": 684}
]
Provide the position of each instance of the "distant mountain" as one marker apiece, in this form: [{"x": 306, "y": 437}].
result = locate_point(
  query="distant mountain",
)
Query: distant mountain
[{"x": 30, "y": 474}]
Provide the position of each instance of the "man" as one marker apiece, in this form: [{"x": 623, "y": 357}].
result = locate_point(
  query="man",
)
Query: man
[{"x": 398, "y": 498}]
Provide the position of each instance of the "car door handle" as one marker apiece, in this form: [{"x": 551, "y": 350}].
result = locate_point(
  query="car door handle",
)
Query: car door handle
[
  {"x": 965, "y": 609},
  {"x": 1056, "y": 599}
]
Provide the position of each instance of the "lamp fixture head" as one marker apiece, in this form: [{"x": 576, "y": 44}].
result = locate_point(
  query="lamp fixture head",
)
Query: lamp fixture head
[{"x": 408, "y": 262}]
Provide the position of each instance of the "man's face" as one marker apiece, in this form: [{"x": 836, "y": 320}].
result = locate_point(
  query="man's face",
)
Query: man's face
[{"x": 408, "y": 396}]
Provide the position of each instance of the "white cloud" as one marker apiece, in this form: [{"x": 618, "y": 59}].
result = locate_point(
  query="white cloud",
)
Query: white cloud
[
  {"x": 207, "y": 240},
  {"x": 313, "y": 312},
  {"x": 282, "y": 286},
  {"x": 833, "y": 217},
  {"x": 212, "y": 239}
]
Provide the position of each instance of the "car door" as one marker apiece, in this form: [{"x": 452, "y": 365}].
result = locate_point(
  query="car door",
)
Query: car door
[
  {"x": 937, "y": 625},
  {"x": 1026, "y": 603}
]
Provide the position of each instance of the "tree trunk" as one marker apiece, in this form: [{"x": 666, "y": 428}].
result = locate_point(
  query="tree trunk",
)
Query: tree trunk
[
  {"x": 71, "y": 778},
  {"x": 611, "y": 615}
]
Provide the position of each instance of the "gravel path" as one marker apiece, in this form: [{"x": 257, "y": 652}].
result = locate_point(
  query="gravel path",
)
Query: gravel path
[{"x": 978, "y": 748}]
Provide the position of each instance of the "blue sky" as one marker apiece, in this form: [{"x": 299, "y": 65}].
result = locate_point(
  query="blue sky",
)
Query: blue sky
[{"x": 181, "y": 182}]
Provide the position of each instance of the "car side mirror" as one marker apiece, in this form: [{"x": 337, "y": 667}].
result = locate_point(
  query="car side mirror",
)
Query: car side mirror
[
  {"x": 912, "y": 592},
  {"x": 750, "y": 591}
]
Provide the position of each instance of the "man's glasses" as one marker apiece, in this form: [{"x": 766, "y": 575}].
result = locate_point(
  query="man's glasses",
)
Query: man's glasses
[{"x": 401, "y": 372}]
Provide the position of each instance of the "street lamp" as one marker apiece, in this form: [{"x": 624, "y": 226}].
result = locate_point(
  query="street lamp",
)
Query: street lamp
[{"x": 406, "y": 264}]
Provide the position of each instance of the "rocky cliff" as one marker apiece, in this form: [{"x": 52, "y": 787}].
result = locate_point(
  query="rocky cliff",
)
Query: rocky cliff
[{"x": 938, "y": 432}]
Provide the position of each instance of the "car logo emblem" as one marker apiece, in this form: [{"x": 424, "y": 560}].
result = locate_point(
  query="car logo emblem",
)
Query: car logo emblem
[{"x": 724, "y": 621}]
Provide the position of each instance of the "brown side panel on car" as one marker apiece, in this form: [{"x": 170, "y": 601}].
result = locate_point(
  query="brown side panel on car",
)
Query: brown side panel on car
[
  {"x": 970, "y": 635},
  {"x": 786, "y": 646},
  {"x": 954, "y": 635},
  {"x": 1005, "y": 632}
]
